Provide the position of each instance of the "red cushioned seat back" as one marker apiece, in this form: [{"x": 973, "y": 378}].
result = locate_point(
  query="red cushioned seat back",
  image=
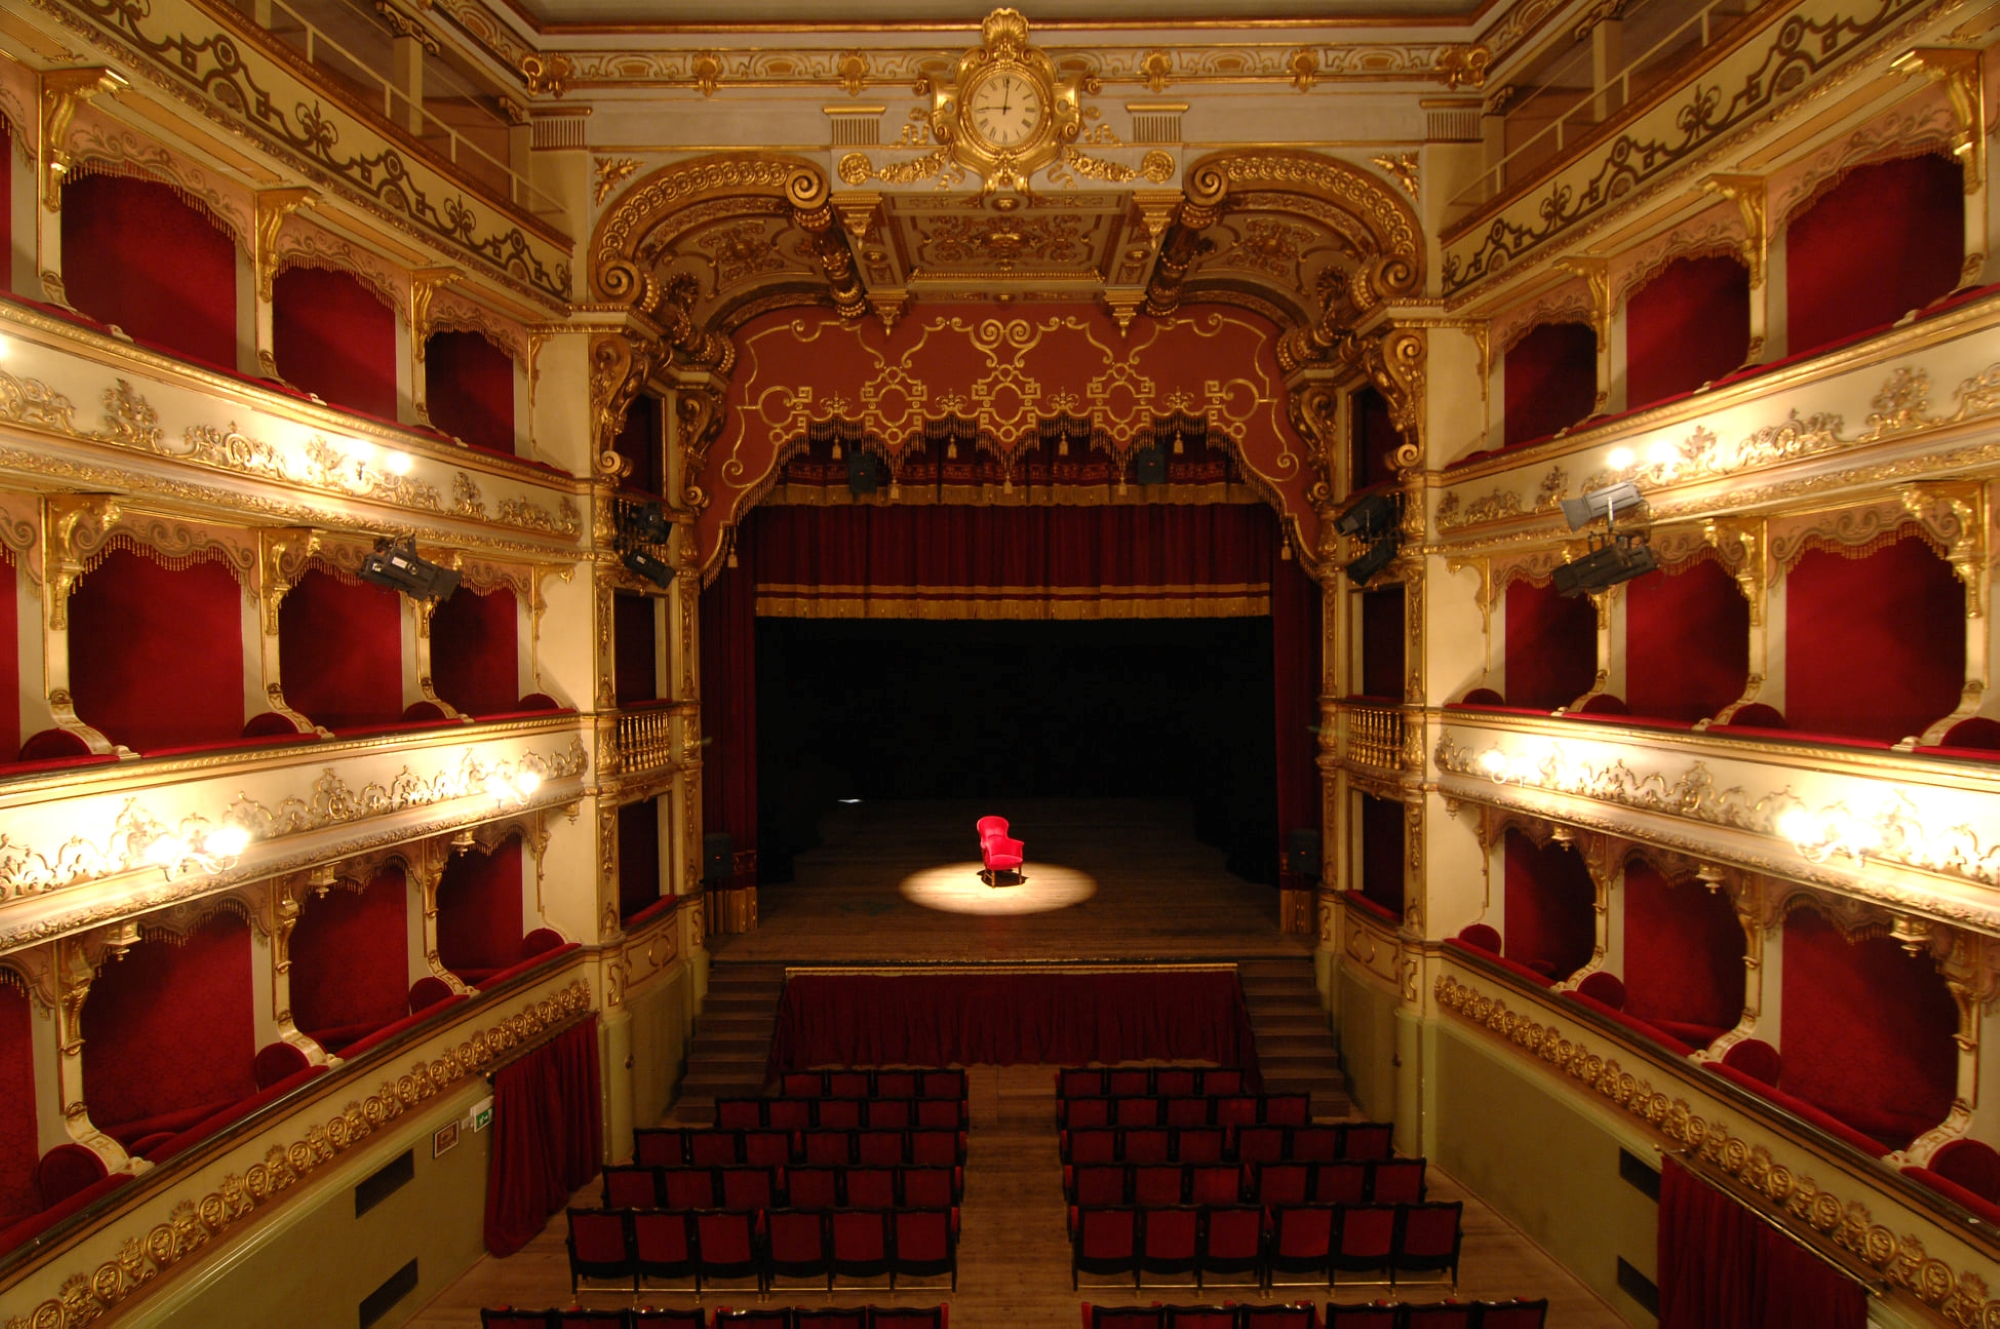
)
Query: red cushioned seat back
[
  {"x": 1200, "y": 1317},
  {"x": 881, "y": 1148},
  {"x": 1215, "y": 1183},
  {"x": 1430, "y": 1231},
  {"x": 1304, "y": 1232},
  {"x": 1280, "y": 1183},
  {"x": 658, "y": 1148},
  {"x": 1287, "y": 1109},
  {"x": 1081, "y": 1114},
  {"x": 1100, "y": 1184},
  {"x": 1365, "y": 1139},
  {"x": 714, "y": 1148},
  {"x": 1755, "y": 1058},
  {"x": 1376, "y": 1315},
  {"x": 776, "y": 1317},
  {"x": 685, "y": 1319},
  {"x": 1279, "y": 1317},
  {"x": 871, "y": 1188},
  {"x": 940, "y": 1114},
  {"x": 796, "y": 1236},
  {"x": 813, "y": 1187},
  {"x": 725, "y": 1238},
  {"x": 1170, "y": 1233},
  {"x": 1156, "y": 1184},
  {"x": 65, "y": 1170},
  {"x": 1174, "y": 1081},
  {"x": 829, "y": 1148},
  {"x": 1482, "y": 937},
  {"x": 1514, "y": 1314},
  {"x": 943, "y": 1084},
  {"x": 427, "y": 992},
  {"x": 1093, "y": 1146},
  {"x": 1315, "y": 1144},
  {"x": 929, "y": 1187},
  {"x": 767, "y": 1148},
  {"x": 688, "y": 1188},
  {"x": 934, "y": 1148},
  {"x": 1397, "y": 1181},
  {"x": 1367, "y": 1231},
  {"x": 1200, "y": 1144},
  {"x": 660, "y": 1238},
  {"x": 1235, "y": 1110},
  {"x": 1107, "y": 1234},
  {"x": 789, "y": 1114},
  {"x": 1080, "y": 1082},
  {"x": 1146, "y": 1145},
  {"x": 1135, "y": 1112},
  {"x": 848, "y": 1084},
  {"x": 576, "y": 1317},
  {"x": 739, "y": 1114},
  {"x": 276, "y": 1061},
  {"x": 990, "y": 826},
  {"x": 907, "y": 1317},
  {"x": 837, "y": 1114},
  {"x": 630, "y": 1188},
  {"x": 506, "y": 1317},
  {"x": 1188, "y": 1110},
  {"x": 747, "y": 1188},
  {"x": 1221, "y": 1080},
  {"x": 1607, "y": 988},
  {"x": 831, "y": 1317},
  {"x": 922, "y": 1235},
  {"x": 891, "y": 1114},
  {"x": 1128, "y": 1082},
  {"x": 597, "y": 1236},
  {"x": 895, "y": 1084},
  {"x": 1123, "y": 1317},
  {"x": 860, "y": 1235},
  {"x": 1972, "y": 1164},
  {"x": 1234, "y": 1233},
  {"x": 1440, "y": 1315},
  {"x": 1343, "y": 1182},
  {"x": 802, "y": 1084},
  {"x": 1260, "y": 1144}
]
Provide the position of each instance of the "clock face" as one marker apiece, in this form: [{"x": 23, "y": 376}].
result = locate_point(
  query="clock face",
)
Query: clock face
[{"x": 1005, "y": 109}]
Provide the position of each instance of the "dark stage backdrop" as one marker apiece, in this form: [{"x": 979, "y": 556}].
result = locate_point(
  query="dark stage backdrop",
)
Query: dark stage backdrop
[{"x": 900, "y": 709}]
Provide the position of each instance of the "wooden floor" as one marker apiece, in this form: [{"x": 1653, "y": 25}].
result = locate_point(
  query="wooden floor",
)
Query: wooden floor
[
  {"x": 1159, "y": 892},
  {"x": 1013, "y": 1252}
]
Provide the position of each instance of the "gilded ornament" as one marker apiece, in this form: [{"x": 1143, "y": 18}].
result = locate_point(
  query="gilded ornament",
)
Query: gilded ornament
[
  {"x": 610, "y": 173},
  {"x": 854, "y": 168}
]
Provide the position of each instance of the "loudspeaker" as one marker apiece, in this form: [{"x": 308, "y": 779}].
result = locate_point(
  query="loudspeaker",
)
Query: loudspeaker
[
  {"x": 1302, "y": 853},
  {"x": 1149, "y": 466},
  {"x": 718, "y": 856},
  {"x": 864, "y": 472}
]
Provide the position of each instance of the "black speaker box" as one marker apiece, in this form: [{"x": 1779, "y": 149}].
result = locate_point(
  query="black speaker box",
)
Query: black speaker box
[
  {"x": 718, "y": 856},
  {"x": 1302, "y": 853},
  {"x": 1149, "y": 467}
]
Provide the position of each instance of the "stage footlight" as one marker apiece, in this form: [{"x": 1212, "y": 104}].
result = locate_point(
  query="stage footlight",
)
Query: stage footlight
[
  {"x": 1606, "y": 565},
  {"x": 642, "y": 564},
  {"x": 1370, "y": 516},
  {"x": 1372, "y": 562},
  {"x": 1607, "y": 503},
  {"x": 398, "y": 567},
  {"x": 955, "y": 888}
]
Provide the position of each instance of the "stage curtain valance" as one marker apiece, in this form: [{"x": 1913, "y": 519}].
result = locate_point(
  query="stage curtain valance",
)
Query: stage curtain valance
[
  {"x": 1059, "y": 1018},
  {"x": 1153, "y": 561}
]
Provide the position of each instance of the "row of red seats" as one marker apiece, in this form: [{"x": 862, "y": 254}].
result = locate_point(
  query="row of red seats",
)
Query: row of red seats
[
  {"x": 768, "y": 1317},
  {"x": 641, "y": 1187},
  {"x": 1143, "y": 1081},
  {"x": 1214, "y": 1144},
  {"x": 856, "y": 1082},
  {"x": 1383, "y": 1181},
  {"x": 761, "y": 1244},
  {"x": 1517, "y": 1314},
  {"x": 1184, "y": 1110},
  {"x": 1320, "y": 1239},
  {"x": 667, "y": 1147},
  {"x": 846, "y": 1114}
]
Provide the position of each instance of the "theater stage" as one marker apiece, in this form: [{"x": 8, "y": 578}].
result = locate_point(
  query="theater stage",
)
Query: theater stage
[{"x": 1107, "y": 879}]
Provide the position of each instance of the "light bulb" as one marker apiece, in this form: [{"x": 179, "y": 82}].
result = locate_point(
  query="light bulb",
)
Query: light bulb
[
  {"x": 225, "y": 842},
  {"x": 398, "y": 463},
  {"x": 1663, "y": 453},
  {"x": 1796, "y": 825},
  {"x": 1621, "y": 458},
  {"x": 1495, "y": 762},
  {"x": 166, "y": 851},
  {"x": 526, "y": 783}
]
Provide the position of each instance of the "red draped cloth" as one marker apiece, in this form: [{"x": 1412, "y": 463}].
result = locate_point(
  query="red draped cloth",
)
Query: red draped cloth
[
  {"x": 729, "y": 711},
  {"x": 547, "y": 1135},
  {"x": 1295, "y": 667},
  {"x": 1012, "y": 1018},
  {"x": 1723, "y": 1267}
]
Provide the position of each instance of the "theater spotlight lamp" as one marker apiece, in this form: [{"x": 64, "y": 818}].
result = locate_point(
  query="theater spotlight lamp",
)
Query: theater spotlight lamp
[
  {"x": 642, "y": 564},
  {"x": 1378, "y": 557},
  {"x": 1607, "y": 503},
  {"x": 1369, "y": 516},
  {"x": 646, "y": 522},
  {"x": 397, "y": 566},
  {"x": 1609, "y": 562}
]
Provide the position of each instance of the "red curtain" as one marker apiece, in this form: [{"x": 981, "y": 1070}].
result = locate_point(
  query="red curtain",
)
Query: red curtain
[
  {"x": 1687, "y": 642},
  {"x": 958, "y": 561},
  {"x": 340, "y": 650},
  {"x": 140, "y": 257},
  {"x": 1688, "y": 326},
  {"x": 1296, "y": 639},
  {"x": 170, "y": 1026},
  {"x": 1382, "y": 832},
  {"x": 479, "y": 911},
  {"x": 1722, "y": 1267},
  {"x": 547, "y": 1135},
  {"x": 640, "y": 441},
  {"x": 1551, "y": 907},
  {"x": 1875, "y": 646},
  {"x": 475, "y": 651},
  {"x": 156, "y": 654},
  {"x": 635, "y": 672},
  {"x": 1373, "y": 440},
  {"x": 638, "y": 856},
  {"x": 1382, "y": 638},
  {"x": 1887, "y": 239},
  {"x": 335, "y": 338},
  {"x": 1011, "y": 1019},
  {"x": 10, "y": 636},
  {"x": 469, "y": 390},
  {"x": 350, "y": 956},
  {"x": 1683, "y": 955},
  {"x": 20, "y": 1147},
  {"x": 1868, "y": 1031},
  {"x": 1551, "y": 377},
  {"x": 729, "y": 699},
  {"x": 1551, "y": 646}
]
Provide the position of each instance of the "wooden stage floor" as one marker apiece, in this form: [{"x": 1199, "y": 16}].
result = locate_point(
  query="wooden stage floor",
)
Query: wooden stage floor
[{"x": 1111, "y": 879}]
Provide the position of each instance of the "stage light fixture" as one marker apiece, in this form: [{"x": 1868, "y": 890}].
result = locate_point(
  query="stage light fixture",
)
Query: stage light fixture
[
  {"x": 397, "y": 566},
  {"x": 645, "y": 522},
  {"x": 1607, "y": 503},
  {"x": 1616, "y": 560},
  {"x": 642, "y": 564},
  {"x": 1370, "y": 516},
  {"x": 1378, "y": 557}
]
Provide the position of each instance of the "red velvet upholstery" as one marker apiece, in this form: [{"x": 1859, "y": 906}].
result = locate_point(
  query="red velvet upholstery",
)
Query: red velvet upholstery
[
  {"x": 277, "y": 1061},
  {"x": 1604, "y": 987},
  {"x": 1687, "y": 642},
  {"x": 1683, "y": 954},
  {"x": 1551, "y": 909},
  {"x": 156, "y": 654},
  {"x": 33, "y": 1226},
  {"x": 1551, "y": 379},
  {"x": 227, "y": 1115},
  {"x": 1868, "y": 1031},
  {"x": 350, "y": 957},
  {"x": 170, "y": 1026},
  {"x": 340, "y": 647},
  {"x": 1973, "y": 1164},
  {"x": 19, "y": 1143},
  {"x": 479, "y": 911},
  {"x": 1651, "y": 1033},
  {"x": 1969, "y": 1200},
  {"x": 156, "y": 266},
  {"x": 1551, "y": 646},
  {"x": 1755, "y": 1058},
  {"x": 335, "y": 338},
  {"x": 539, "y": 960},
  {"x": 1975, "y": 733},
  {"x": 64, "y": 1171},
  {"x": 475, "y": 663},
  {"x": 1875, "y": 646},
  {"x": 469, "y": 390},
  {"x": 1514, "y": 967},
  {"x": 1887, "y": 239},
  {"x": 427, "y": 992},
  {"x": 1382, "y": 834},
  {"x": 1687, "y": 326},
  {"x": 638, "y": 856},
  {"x": 1481, "y": 936}
]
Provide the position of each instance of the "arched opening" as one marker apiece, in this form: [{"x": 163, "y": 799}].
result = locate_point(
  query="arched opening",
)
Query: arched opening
[
  {"x": 1683, "y": 956},
  {"x": 1688, "y": 325},
  {"x": 1551, "y": 381},
  {"x": 1551, "y": 656},
  {"x": 138, "y": 255},
  {"x": 1687, "y": 642},
  {"x": 1551, "y": 907},
  {"x": 20, "y": 1141},
  {"x": 156, "y": 653},
  {"x": 340, "y": 651},
  {"x": 1889, "y": 238},
  {"x": 639, "y": 884},
  {"x": 469, "y": 390},
  {"x": 475, "y": 650},
  {"x": 350, "y": 960},
  {"x": 334, "y": 337},
  {"x": 479, "y": 923}
]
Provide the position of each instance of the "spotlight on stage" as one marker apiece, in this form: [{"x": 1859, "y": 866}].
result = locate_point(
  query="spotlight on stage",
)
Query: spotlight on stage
[
  {"x": 1607, "y": 503},
  {"x": 397, "y": 566},
  {"x": 642, "y": 564},
  {"x": 1618, "y": 559},
  {"x": 1371, "y": 516},
  {"x": 955, "y": 888}
]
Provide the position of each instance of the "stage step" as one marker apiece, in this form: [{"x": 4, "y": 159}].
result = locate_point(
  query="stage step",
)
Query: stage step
[
  {"x": 1296, "y": 1050},
  {"x": 732, "y": 1038}
]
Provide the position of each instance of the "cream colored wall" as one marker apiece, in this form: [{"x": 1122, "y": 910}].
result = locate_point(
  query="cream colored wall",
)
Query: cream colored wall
[
  {"x": 312, "y": 1261},
  {"x": 1367, "y": 1022},
  {"x": 1501, "y": 1131},
  {"x": 662, "y": 1022}
]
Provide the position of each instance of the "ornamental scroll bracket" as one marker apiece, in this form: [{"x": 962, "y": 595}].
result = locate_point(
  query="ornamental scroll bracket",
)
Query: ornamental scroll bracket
[
  {"x": 273, "y": 206},
  {"x": 620, "y": 363},
  {"x": 1962, "y": 73},
  {"x": 63, "y": 90},
  {"x": 1748, "y": 193}
]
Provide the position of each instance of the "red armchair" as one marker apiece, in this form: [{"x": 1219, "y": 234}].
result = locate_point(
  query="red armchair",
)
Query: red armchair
[{"x": 1000, "y": 855}]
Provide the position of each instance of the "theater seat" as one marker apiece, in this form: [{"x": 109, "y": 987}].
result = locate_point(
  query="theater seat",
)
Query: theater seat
[
  {"x": 1607, "y": 988},
  {"x": 65, "y": 1170},
  {"x": 1968, "y": 1163},
  {"x": 275, "y": 1061},
  {"x": 1482, "y": 937}
]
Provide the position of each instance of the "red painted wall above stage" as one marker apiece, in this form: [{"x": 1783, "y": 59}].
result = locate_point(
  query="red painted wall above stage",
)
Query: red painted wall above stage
[{"x": 1006, "y": 370}]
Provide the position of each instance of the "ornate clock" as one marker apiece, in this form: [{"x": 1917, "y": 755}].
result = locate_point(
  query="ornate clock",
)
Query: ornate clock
[{"x": 1002, "y": 111}]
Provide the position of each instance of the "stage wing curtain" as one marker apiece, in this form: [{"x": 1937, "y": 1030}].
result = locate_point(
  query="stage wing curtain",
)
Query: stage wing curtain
[
  {"x": 1722, "y": 1267},
  {"x": 1295, "y": 656},
  {"x": 1009, "y": 1019},
  {"x": 729, "y": 711},
  {"x": 547, "y": 1136},
  {"x": 1142, "y": 560}
]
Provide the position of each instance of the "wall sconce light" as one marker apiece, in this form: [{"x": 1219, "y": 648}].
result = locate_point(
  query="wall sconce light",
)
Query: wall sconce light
[
  {"x": 1832, "y": 830},
  {"x": 196, "y": 846}
]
